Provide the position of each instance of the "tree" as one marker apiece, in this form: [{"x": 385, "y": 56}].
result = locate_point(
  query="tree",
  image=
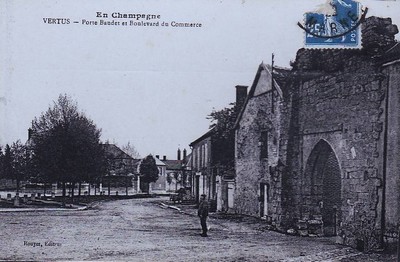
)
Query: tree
[
  {"x": 223, "y": 138},
  {"x": 131, "y": 150},
  {"x": 14, "y": 163},
  {"x": 148, "y": 172},
  {"x": 19, "y": 162},
  {"x": 1, "y": 163},
  {"x": 7, "y": 163},
  {"x": 66, "y": 145}
]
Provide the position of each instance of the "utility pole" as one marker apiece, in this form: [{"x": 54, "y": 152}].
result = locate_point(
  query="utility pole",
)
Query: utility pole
[{"x": 272, "y": 84}]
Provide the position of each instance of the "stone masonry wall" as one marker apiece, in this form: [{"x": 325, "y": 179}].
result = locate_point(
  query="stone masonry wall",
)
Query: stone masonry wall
[
  {"x": 250, "y": 169},
  {"x": 392, "y": 201},
  {"x": 346, "y": 110},
  {"x": 288, "y": 152},
  {"x": 338, "y": 96},
  {"x": 335, "y": 98}
]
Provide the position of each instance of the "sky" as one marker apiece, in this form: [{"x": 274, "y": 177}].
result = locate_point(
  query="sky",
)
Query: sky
[{"x": 150, "y": 86}]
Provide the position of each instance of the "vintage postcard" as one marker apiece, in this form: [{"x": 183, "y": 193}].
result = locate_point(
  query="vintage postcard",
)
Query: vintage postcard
[{"x": 193, "y": 130}]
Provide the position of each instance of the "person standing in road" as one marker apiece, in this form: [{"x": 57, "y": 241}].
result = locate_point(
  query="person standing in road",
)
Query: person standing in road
[{"x": 202, "y": 212}]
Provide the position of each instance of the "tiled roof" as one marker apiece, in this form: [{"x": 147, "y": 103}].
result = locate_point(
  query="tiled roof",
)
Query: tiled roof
[
  {"x": 279, "y": 79},
  {"x": 115, "y": 152},
  {"x": 206, "y": 135},
  {"x": 173, "y": 164},
  {"x": 122, "y": 163},
  {"x": 159, "y": 162}
]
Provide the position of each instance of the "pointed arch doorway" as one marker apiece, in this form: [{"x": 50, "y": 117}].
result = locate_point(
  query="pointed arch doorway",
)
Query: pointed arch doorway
[{"x": 322, "y": 190}]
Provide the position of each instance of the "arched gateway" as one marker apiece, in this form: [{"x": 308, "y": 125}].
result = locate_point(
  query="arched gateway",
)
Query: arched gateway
[{"x": 322, "y": 188}]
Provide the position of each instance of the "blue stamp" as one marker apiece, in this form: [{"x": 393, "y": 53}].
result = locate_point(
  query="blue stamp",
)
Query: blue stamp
[{"x": 335, "y": 25}]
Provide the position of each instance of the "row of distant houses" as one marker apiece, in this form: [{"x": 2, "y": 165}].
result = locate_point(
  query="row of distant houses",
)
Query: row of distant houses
[
  {"x": 207, "y": 177},
  {"x": 123, "y": 175},
  {"x": 125, "y": 171},
  {"x": 317, "y": 146},
  {"x": 173, "y": 173}
]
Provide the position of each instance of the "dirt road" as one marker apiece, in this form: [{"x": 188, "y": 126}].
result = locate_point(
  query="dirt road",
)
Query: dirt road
[{"x": 141, "y": 230}]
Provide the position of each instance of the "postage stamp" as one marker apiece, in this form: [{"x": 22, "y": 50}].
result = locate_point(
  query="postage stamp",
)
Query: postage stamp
[{"x": 334, "y": 25}]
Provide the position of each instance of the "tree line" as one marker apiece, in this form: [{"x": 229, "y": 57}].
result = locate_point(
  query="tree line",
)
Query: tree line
[
  {"x": 63, "y": 147},
  {"x": 14, "y": 162}
]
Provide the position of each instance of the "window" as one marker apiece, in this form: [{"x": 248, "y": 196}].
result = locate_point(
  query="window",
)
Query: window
[
  {"x": 198, "y": 157},
  {"x": 206, "y": 156},
  {"x": 264, "y": 144},
  {"x": 201, "y": 155},
  {"x": 194, "y": 159}
]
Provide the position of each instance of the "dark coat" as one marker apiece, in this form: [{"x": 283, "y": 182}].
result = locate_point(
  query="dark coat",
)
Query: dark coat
[{"x": 203, "y": 209}]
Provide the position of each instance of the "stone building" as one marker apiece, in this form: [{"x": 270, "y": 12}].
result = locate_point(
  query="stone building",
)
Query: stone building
[
  {"x": 317, "y": 146},
  {"x": 172, "y": 173},
  {"x": 257, "y": 136},
  {"x": 175, "y": 170},
  {"x": 160, "y": 186}
]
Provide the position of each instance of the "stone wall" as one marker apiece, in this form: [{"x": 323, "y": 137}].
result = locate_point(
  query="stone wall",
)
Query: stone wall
[
  {"x": 392, "y": 183},
  {"x": 346, "y": 111},
  {"x": 251, "y": 169},
  {"x": 335, "y": 120},
  {"x": 339, "y": 96}
]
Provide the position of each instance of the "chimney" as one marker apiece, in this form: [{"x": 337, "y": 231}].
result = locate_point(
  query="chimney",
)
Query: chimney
[
  {"x": 179, "y": 154},
  {"x": 30, "y": 132},
  {"x": 241, "y": 94},
  {"x": 158, "y": 156},
  {"x": 184, "y": 154},
  {"x": 164, "y": 158}
]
